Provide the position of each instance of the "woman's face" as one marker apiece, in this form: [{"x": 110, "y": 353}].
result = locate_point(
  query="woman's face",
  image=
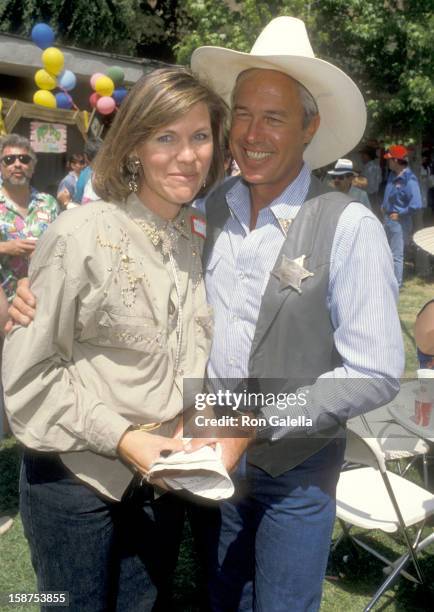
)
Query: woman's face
[{"x": 175, "y": 162}]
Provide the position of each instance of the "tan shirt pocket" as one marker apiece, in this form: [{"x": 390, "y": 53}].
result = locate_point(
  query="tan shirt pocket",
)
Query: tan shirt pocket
[{"x": 122, "y": 331}]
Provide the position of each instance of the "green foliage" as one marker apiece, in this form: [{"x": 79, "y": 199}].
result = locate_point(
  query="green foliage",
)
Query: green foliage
[
  {"x": 121, "y": 26},
  {"x": 211, "y": 22},
  {"x": 388, "y": 49},
  {"x": 386, "y": 46}
]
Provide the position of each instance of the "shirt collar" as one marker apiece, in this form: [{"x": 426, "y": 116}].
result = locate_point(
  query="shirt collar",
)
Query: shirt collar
[
  {"x": 154, "y": 225},
  {"x": 403, "y": 176},
  {"x": 285, "y": 206},
  {"x": 34, "y": 198}
]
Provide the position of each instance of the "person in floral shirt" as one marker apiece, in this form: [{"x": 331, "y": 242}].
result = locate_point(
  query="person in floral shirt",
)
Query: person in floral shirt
[{"x": 24, "y": 212}]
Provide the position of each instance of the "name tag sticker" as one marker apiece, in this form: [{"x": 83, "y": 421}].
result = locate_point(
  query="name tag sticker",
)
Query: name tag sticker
[
  {"x": 198, "y": 226},
  {"x": 42, "y": 215}
]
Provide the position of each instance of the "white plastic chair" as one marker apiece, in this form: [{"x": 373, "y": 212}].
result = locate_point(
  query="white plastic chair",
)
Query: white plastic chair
[
  {"x": 396, "y": 443},
  {"x": 372, "y": 497}
]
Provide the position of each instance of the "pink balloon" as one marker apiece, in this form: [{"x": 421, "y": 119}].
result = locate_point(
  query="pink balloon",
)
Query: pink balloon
[
  {"x": 94, "y": 78},
  {"x": 105, "y": 105},
  {"x": 93, "y": 99}
]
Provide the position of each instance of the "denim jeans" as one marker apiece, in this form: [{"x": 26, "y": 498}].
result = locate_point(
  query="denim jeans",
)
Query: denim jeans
[
  {"x": 267, "y": 548},
  {"x": 398, "y": 235},
  {"x": 110, "y": 556}
]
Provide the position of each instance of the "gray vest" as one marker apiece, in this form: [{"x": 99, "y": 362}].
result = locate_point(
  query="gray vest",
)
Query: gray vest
[{"x": 293, "y": 342}]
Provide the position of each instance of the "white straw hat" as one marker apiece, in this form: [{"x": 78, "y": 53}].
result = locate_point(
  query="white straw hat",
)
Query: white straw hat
[
  {"x": 424, "y": 239},
  {"x": 284, "y": 45},
  {"x": 342, "y": 166}
]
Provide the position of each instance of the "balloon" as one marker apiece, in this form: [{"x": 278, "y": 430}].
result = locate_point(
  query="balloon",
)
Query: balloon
[
  {"x": 93, "y": 99},
  {"x": 67, "y": 80},
  {"x": 63, "y": 100},
  {"x": 42, "y": 35},
  {"x": 53, "y": 60},
  {"x": 1, "y": 104},
  {"x": 105, "y": 105},
  {"x": 119, "y": 94},
  {"x": 45, "y": 80},
  {"x": 94, "y": 78},
  {"x": 104, "y": 86},
  {"x": 44, "y": 98},
  {"x": 116, "y": 74}
]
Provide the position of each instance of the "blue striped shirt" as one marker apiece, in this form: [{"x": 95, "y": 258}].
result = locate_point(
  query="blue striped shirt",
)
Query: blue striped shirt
[{"x": 362, "y": 292}]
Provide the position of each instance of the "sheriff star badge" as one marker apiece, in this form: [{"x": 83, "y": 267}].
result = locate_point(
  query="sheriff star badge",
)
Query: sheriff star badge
[{"x": 291, "y": 273}]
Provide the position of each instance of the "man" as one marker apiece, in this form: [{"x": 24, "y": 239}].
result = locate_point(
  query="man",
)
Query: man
[
  {"x": 342, "y": 176},
  {"x": 302, "y": 286},
  {"x": 24, "y": 212},
  {"x": 402, "y": 198},
  {"x": 372, "y": 172},
  {"x": 303, "y": 292}
]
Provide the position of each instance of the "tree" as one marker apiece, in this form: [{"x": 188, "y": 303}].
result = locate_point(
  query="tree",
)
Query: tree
[
  {"x": 230, "y": 24},
  {"x": 122, "y": 26},
  {"x": 386, "y": 46}
]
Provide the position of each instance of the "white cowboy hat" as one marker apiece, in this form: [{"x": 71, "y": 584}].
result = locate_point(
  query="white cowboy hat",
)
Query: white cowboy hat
[
  {"x": 284, "y": 45},
  {"x": 342, "y": 167},
  {"x": 424, "y": 239}
]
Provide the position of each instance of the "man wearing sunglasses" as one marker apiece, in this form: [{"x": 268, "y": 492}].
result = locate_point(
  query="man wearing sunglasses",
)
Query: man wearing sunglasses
[
  {"x": 24, "y": 212},
  {"x": 342, "y": 176}
]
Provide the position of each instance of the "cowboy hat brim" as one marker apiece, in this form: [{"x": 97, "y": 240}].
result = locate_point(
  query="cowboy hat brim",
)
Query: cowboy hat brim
[
  {"x": 341, "y": 172},
  {"x": 341, "y": 106}
]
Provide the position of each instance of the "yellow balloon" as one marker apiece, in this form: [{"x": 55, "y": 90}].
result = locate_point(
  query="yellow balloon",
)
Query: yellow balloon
[
  {"x": 1, "y": 104},
  {"x": 53, "y": 60},
  {"x": 44, "y": 98},
  {"x": 104, "y": 86},
  {"x": 45, "y": 80}
]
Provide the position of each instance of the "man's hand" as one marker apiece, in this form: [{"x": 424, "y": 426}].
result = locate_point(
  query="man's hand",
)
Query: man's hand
[
  {"x": 17, "y": 247},
  {"x": 141, "y": 449},
  {"x": 232, "y": 448},
  {"x": 232, "y": 451},
  {"x": 22, "y": 310}
]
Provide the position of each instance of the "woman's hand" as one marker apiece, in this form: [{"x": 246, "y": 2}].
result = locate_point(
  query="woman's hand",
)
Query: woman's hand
[{"x": 141, "y": 449}]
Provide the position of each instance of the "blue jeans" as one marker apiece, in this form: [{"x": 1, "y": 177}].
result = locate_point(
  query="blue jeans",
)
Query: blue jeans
[
  {"x": 267, "y": 549},
  {"x": 110, "y": 556},
  {"x": 398, "y": 235}
]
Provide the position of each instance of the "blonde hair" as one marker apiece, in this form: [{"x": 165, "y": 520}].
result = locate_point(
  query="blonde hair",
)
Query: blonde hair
[{"x": 156, "y": 100}]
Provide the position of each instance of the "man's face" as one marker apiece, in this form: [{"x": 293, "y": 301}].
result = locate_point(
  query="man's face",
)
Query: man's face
[
  {"x": 394, "y": 166},
  {"x": 343, "y": 182},
  {"x": 267, "y": 137},
  {"x": 16, "y": 172}
]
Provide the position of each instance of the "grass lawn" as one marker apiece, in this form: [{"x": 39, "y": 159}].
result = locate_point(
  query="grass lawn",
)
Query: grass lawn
[{"x": 351, "y": 581}]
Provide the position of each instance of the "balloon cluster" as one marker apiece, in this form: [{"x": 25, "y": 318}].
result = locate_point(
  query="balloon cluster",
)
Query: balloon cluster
[
  {"x": 108, "y": 91},
  {"x": 53, "y": 74}
]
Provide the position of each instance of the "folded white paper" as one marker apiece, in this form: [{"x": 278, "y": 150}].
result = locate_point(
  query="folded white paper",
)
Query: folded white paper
[{"x": 201, "y": 472}]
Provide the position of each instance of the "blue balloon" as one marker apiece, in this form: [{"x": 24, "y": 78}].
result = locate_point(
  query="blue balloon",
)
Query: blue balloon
[
  {"x": 67, "y": 80},
  {"x": 119, "y": 94},
  {"x": 42, "y": 35},
  {"x": 63, "y": 100}
]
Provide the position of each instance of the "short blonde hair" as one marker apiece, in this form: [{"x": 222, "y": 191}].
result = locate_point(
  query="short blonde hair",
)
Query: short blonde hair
[{"x": 156, "y": 100}]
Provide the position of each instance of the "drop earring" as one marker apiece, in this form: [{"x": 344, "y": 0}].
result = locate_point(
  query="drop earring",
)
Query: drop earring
[{"x": 133, "y": 166}]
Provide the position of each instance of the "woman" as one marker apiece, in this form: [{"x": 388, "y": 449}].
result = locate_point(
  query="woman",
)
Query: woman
[{"x": 94, "y": 386}]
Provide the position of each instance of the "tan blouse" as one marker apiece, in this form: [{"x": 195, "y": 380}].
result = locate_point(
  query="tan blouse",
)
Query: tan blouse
[{"x": 121, "y": 321}]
